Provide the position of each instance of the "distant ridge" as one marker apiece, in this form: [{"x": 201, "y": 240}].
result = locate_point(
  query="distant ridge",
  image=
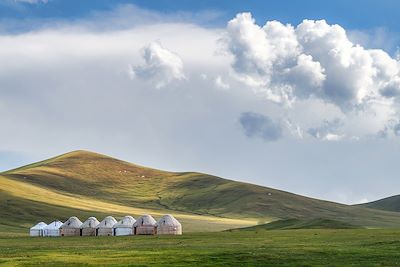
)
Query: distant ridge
[
  {"x": 388, "y": 204},
  {"x": 87, "y": 183}
]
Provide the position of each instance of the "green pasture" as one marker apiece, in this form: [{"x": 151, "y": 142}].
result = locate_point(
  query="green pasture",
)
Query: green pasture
[{"x": 347, "y": 247}]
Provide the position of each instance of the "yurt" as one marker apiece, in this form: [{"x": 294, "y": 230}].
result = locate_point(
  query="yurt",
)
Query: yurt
[
  {"x": 106, "y": 226},
  {"x": 145, "y": 225},
  {"x": 89, "y": 227},
  {"x": 168, "y": 225},
  {"x": 37, "y": 230},
  {"x": 124, "y": 226},
  {"x": 52, "y": 229},
  {"x": 72, "y": 227}
]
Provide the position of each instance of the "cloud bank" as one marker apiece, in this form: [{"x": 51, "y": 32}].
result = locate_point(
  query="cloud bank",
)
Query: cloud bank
[{"x": 175, "y": 95}]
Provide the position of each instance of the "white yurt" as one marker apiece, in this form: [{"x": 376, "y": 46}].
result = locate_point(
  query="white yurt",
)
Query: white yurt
[
  {"x": 106, "y": 226},
  {"x": 37, "y": 230},
  {"x": 52, "y": 229},
  {"x": 168, "y": 225},
  {"x": 145, "y": 225},
  {"x": 89, "y": 227},
  {"x": 124, "y": 226},
  {"x": 72, "y": 227}
]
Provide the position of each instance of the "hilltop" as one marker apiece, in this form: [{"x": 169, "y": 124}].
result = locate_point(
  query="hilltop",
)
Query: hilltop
[{"x": 85, "y": 183}]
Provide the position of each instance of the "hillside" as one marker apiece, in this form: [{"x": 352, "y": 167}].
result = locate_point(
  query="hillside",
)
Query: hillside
[
  {"x": 287, "y": 224},
  {"x": 389, "y": 204},
  {"x": 84, "y": 183}
]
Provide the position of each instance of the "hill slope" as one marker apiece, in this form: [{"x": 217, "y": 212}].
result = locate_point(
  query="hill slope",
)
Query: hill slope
[
  {"x": 389, "y": 204},
  {"x": 83, "y": 182},
  {"x": 287, "y": 224}
]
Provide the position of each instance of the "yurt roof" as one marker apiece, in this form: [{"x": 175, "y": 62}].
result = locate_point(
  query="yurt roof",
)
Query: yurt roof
[
  {"x": 168, "y": 220},
  {"x": 146, "y": 220},
  {"x": 39, "y": 226},
  {"x": 54, "y": 225},
  {"x": 107, "y": 222},
  {"x": 127, "y": 221},
  {"x": 91, "y": 222},
  {"x": 72, "y": 222}
]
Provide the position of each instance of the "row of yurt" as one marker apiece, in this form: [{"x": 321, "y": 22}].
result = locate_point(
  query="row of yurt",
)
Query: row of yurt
[
  {"x": 145, "y": 225},
  {"x": 43, "y": 229}
]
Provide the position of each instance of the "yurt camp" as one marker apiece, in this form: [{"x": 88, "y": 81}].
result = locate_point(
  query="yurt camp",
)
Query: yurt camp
[
  {"x": 89, "y": 227},
  {"x": 168, "y": 225},
  {"x": 106, "y": 226},
  {"x": 37, "y": 230},
  {"x": 145, "y": 225},
  {"x": 52, "y": 229},
  {"x": 72, "y": 227},
  {"x": 124, "y": 226}
]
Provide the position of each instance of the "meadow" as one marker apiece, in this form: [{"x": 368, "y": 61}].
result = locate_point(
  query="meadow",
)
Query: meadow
[{"x": 349, "y": 247}]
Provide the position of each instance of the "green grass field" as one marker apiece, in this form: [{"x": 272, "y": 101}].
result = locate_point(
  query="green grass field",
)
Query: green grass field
[{"x": 352, "y": 247}]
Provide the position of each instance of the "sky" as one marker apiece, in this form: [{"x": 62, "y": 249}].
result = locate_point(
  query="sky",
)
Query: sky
[{"x": 301, "y": 96}]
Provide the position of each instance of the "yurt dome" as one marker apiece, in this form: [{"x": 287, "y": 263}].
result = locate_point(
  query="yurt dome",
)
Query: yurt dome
[
  {"x": 72, "y": 227},
  {"x": 52, "y": 229},
  {"x": 126, "y": 222},
  {"x": 107, "y": 222},
  {"x": 168, "y": 225},
  {"x": 145, "y": 220},
  {"x": 106, "y": 226},
  {"x": 88, "y": 228},
  {"x": 145, "y": 225},
  {"x": 37, "y": 230},
  {"x": 91, "y": 222},
  {"x": 124, "y": 226},
  {"x": 72, "y": 222}
]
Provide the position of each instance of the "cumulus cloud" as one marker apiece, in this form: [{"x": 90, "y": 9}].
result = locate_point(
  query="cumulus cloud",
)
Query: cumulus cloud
[
  {"x": 313, "y": 59},
  {"x": 261, "y": 126},
  {"x": 161, "y": 65}
]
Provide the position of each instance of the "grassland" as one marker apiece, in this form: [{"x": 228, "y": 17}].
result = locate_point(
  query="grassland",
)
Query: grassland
[{"x": 361, "y": 247}]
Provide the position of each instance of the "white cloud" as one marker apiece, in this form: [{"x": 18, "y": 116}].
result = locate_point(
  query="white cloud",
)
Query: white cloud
[
  {"x": 161, "y": 66},
  {"x": 221, "y": 83},
  {"x": 314, "y": 60},
  {"x": 311, "y": 59}
]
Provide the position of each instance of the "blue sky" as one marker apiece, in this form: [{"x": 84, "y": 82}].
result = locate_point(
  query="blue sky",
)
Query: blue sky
[
  {"x": 357, "y": 14},
  {"x": 223, "y": 87}
]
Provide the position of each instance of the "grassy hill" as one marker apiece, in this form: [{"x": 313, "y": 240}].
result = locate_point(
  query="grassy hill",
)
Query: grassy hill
[
  {"x": 286, "y": 224},
  {"x": 84, "y": 183},
  {"x": 388, "y": 204}
]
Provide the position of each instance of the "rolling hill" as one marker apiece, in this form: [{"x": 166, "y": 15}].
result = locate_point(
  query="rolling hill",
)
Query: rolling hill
[
  {"x": 85, "y": 183},
  {"x": 288, "y": 224},
  {"x": 389, "y": 204}
]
